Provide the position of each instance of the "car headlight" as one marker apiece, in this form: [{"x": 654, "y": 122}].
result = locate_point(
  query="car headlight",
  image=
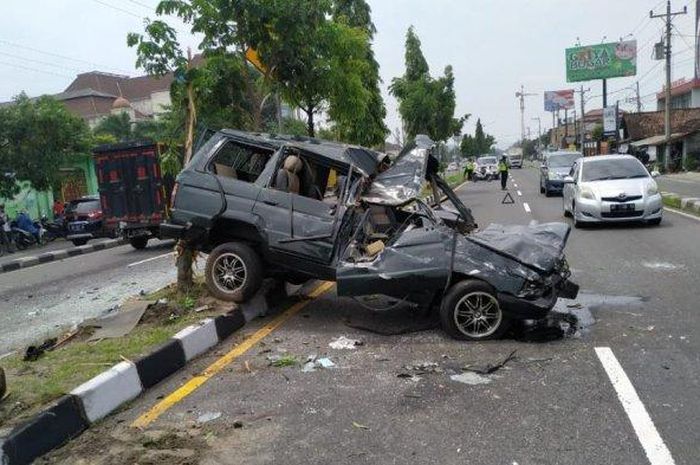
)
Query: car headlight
[
  {"x": 652, "y": 188},
  {"x": 587, "y": 193}
]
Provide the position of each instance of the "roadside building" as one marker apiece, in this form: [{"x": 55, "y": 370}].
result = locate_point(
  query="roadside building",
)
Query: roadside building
[{"x": 646, "y": 132}]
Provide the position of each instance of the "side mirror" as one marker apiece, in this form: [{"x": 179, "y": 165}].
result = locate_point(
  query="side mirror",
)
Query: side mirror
[{"x": 568, "y": 180}]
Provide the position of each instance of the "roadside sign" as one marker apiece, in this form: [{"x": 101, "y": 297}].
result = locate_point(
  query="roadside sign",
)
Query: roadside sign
[
  {"x": 559, "y": 100},
  {"x": 602, "y": 61},
  {"x": 610, "y": 121}
]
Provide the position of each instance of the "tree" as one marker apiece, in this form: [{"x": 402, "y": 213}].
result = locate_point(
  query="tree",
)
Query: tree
[
  {"x": 37, "y": 137},
  {"x": 367, "y": 126},
  {"x": 118, "y": 126},
  {"x": 426, "y": 105}
]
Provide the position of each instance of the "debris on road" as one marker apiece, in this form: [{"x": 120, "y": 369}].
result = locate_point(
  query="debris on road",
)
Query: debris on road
[
  {"x": 360, "y": 426},
  {"x": 279, "y": 361},
  {"x": 488, "y": 369},
  {"x": 33, "y": 353},
  {"x": 345, "y": 343},
  {"x": 118, "y": 324},
  {"x": 312, "y": 363},
  {"x": 3, "y": 384},
  {"x": 201, "y": 308},
  {"x": 208, "y": 416},
  {"x": 424, "y": 368},
  {"x": 470, "y": 377}
]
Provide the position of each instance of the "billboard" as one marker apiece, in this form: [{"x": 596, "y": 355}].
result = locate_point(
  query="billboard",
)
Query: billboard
[
  {"x": 559, "y": 100},
  {"x": 602, "y": 61}
]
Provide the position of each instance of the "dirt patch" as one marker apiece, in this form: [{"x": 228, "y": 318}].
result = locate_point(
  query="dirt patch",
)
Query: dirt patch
[{"x": 124, "y": 445}]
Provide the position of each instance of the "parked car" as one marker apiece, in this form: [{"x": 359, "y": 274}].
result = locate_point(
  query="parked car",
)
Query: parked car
[
  {"x": 453, "y": 167},
  {"x": 486, "y": 169},
  {"x": 133, "y": 192},
  {"x": 84, "y": 220},
  {"x": 554, "y": 168},
  {"x": 608, "y": 188},
  {"x": 297, "y": 209}
]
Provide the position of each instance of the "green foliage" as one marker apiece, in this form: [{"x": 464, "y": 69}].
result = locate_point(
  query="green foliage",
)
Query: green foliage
[
  {"x": 597, "y": 132},
  {"x": 285, "y": 361},
  {"x": 37, "y": 137},
  {"x": 478, "y": 144},
  {"x": 426, "y": 105},
  {"x": 117, "y": 126}
]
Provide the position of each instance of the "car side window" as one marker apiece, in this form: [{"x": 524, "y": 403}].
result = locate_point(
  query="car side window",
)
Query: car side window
[
  {"x": 574, "y": 171},
  {"x": 239, "y": 161}
]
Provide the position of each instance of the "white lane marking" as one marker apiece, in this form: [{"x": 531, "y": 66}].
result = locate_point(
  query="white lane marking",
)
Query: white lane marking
[
  {"x": 150, "y": 259},
  {"x": 649, "y": 438},
  {"x": 520, "y": 193},
  {"x": 527, "y": 207},
  {"x": 678, "y": 212},
  {"x": 515, "y": 185}
]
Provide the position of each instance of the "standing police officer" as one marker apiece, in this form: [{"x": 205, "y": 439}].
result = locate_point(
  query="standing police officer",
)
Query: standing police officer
[{"x": 503, "y": 171}]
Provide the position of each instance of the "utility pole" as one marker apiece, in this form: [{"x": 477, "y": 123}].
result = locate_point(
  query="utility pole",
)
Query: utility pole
[
  {"x": 639, "y": 101},
  {"x": 539, "y": 133},
  {"x": 583, "y": 113},
  {"x": 667, "y": 101},
  {"x": 521, "y": 95}
]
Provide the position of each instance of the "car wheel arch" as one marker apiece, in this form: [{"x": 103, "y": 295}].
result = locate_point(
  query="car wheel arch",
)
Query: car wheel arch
[{"x": 228, "y": 229}]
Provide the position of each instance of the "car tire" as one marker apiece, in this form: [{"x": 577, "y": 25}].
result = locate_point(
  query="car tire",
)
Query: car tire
[
  {"x": 577, "y": 224},
  {"x": 567, "y": 213},
  {"x": 241, "y": 268},
  {"x": 139, "y": 243},
  {"x": 79, "y": 242},
  {"x": 456, "y": 312},
  {"x": 654, "y": 222}
]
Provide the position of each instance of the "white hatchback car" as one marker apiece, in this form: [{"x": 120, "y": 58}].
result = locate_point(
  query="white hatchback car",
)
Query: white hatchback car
[{"x": 611, "y": 188}]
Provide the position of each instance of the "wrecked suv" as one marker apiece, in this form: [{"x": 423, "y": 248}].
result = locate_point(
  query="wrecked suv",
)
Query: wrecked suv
[{"x": 263, "y": 205}]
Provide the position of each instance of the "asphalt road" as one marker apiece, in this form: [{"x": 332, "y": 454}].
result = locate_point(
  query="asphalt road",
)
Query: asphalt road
[
  {"x": 685, "y": 185},
  {"x": 553, "y": 404},
  {"x": 37, "y": 301}
]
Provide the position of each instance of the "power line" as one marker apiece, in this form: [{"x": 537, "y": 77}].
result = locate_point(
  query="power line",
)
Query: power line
[
  {"x": 64, "y": 57},
  {"x": 28, "y": 68},
  {"x": 19, "y": 57},
  {"x": 148, "y": 7},
  {"x": 109, "y": 5}
]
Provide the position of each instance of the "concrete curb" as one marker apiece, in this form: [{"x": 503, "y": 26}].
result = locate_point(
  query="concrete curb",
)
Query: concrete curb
[
  {"x": 27, "y": 262},
  {"x": 108, "y": 391},
  {"x": 686, "y": 204}
]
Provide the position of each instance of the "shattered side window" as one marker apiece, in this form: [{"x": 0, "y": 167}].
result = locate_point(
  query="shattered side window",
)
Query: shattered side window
[{"x": 238, "y": 161}]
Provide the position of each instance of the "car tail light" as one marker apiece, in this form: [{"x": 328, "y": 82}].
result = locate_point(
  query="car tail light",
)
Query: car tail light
[
  {"x": 94, "y": 214},
  {"x": 173, "y": 194}
]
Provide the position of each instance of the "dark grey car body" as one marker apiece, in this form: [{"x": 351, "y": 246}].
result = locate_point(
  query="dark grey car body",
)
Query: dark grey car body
[
  {"x": 425, "y": 246},
  {"x": 554, "y": 168}
]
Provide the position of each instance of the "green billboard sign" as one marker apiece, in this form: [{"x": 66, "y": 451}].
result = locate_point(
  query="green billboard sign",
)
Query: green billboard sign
[{"x": 616, "y": 59}]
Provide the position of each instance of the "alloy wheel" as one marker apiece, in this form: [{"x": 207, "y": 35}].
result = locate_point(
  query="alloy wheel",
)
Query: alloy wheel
[
  {"x": 229, "y": 272},
  {"x": 477, "y": 315}
]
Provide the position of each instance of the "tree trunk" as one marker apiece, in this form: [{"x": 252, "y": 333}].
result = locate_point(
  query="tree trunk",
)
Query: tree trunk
[
  {"x": 184, "y": 262},
  {"x": 310, "y": 122}
]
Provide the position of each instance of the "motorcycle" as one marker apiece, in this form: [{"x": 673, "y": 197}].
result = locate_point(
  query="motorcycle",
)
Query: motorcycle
[
  {"x": 53, "y": 229},
  {"x": 25, "y": 239}
]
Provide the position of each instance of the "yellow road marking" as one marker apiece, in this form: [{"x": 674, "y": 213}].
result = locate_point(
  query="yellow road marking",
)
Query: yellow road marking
[{"x": 190, "y": 386}]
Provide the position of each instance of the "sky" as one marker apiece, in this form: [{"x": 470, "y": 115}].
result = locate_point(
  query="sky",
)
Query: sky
[{"x": 494, "y": 46}]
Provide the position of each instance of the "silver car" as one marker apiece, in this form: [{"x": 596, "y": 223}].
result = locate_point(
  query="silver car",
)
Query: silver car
[{"x": 609, "y": 188}]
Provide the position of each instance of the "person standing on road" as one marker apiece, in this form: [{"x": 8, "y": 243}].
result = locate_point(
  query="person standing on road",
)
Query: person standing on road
[
  {"x": 469, "y": 169},
  {"x": 503, "y": 171},
  {"x": 5, "y": 231},
  {"x": 58, "y": 209}
]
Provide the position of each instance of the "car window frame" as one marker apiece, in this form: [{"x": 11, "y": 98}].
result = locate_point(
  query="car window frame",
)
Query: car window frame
[{"x": 219, "y": 146}]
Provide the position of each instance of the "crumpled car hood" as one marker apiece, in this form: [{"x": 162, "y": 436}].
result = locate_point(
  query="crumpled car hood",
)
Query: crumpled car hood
[{"x": 539, "y": 246}]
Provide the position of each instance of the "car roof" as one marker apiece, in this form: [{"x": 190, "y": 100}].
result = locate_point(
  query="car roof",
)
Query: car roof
[
  {"x": 563, "y": 152},
  {"x": 363, "y": 158},
  {"x": 608, "y": 157}
]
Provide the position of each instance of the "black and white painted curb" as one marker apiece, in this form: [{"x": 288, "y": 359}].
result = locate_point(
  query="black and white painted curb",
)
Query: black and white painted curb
[
  {"x": 75, "y": 412},
  {"x": 688, "y": 204},
  {"x": 27, "y": 262}
]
